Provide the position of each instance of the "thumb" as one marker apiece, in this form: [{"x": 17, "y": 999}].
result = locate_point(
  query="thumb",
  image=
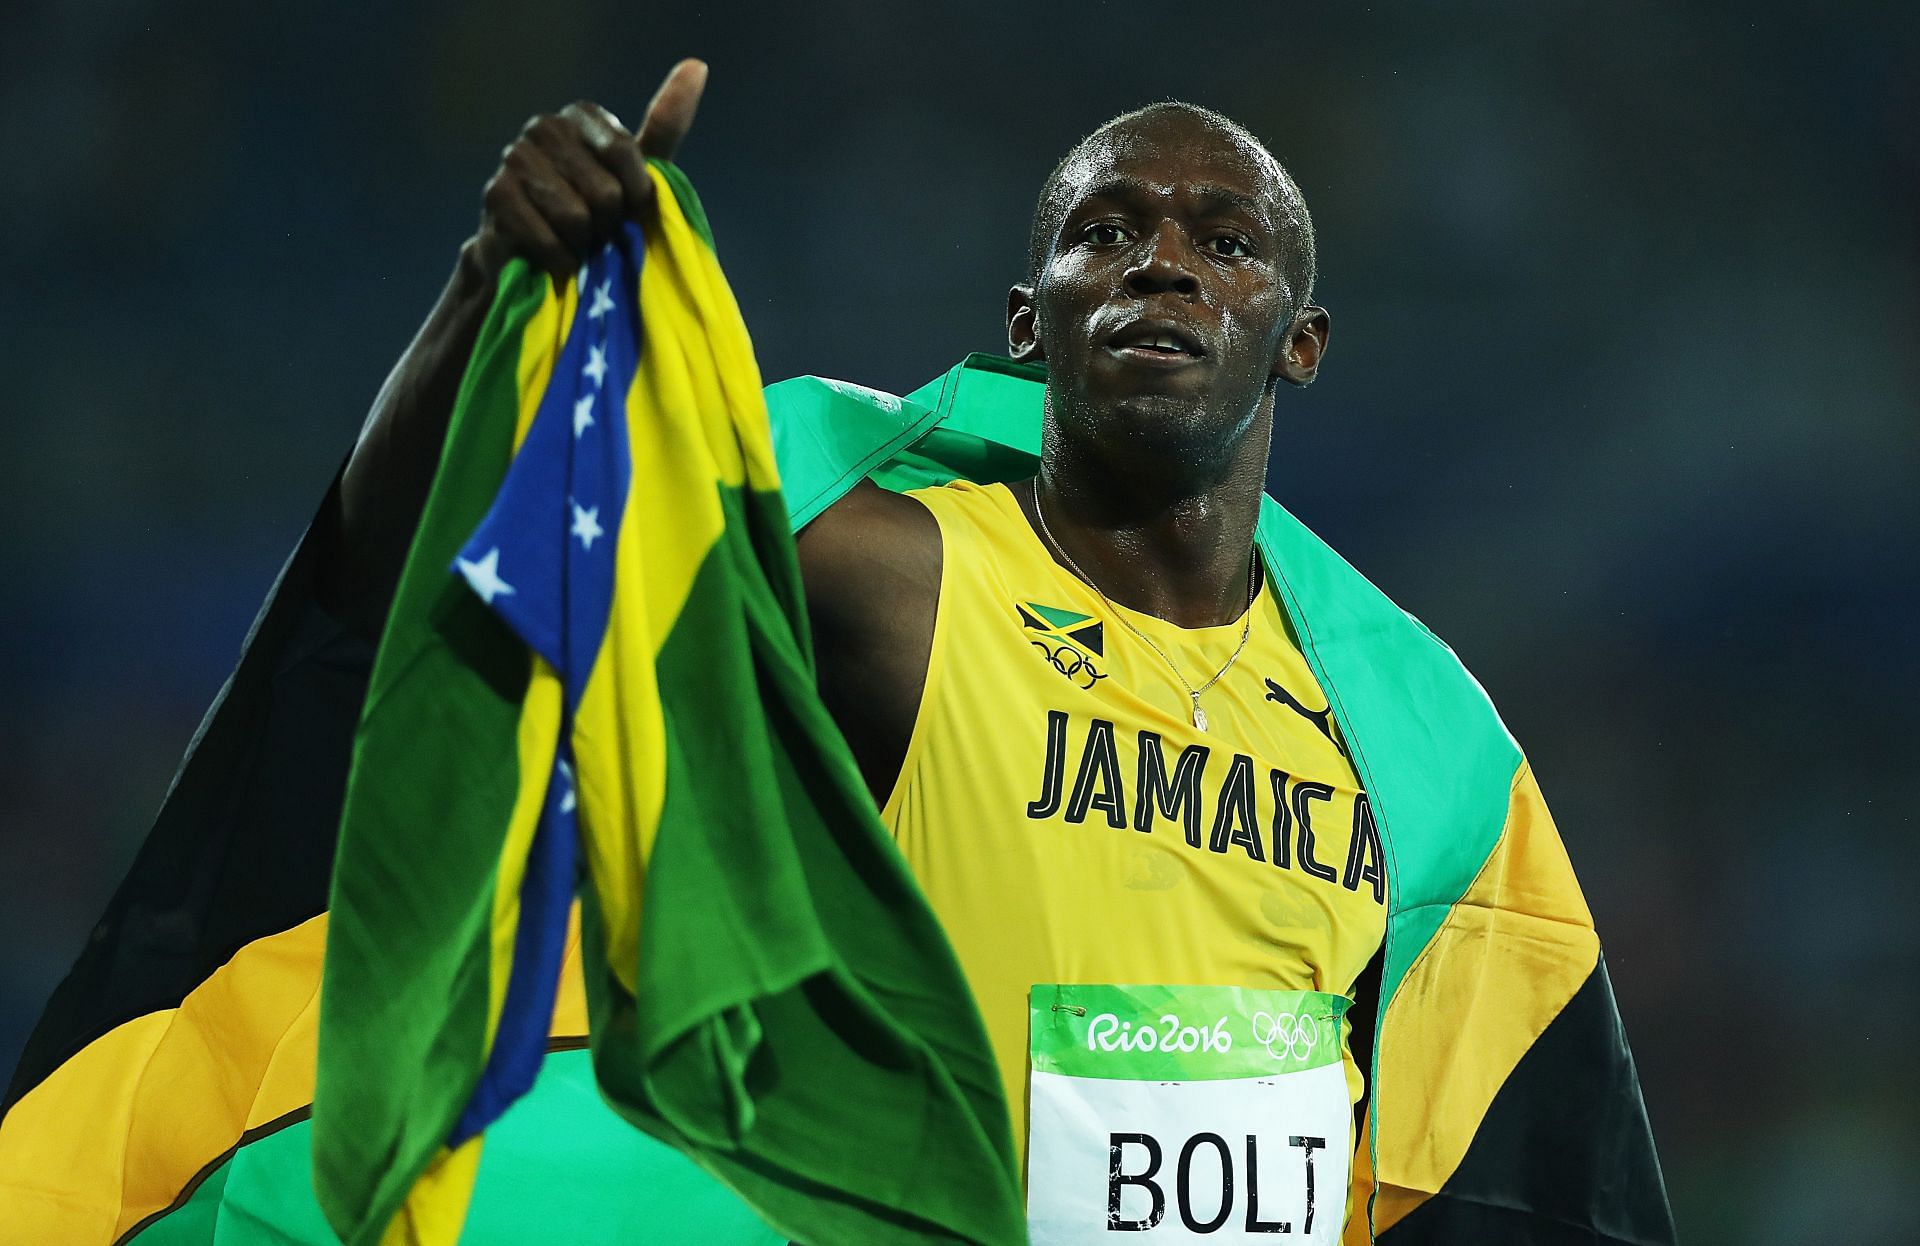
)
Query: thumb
[{"x": 670, "y": 113}]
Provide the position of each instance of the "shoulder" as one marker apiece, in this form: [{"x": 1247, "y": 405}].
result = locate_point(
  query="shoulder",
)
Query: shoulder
[{"x": 870, "y": 544}]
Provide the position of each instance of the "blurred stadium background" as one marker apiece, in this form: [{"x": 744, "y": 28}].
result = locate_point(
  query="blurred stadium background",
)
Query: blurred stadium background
[{"x": 1622, "y": 399}]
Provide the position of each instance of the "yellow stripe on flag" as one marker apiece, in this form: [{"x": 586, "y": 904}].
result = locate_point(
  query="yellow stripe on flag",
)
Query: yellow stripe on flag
[
  {"x": 1510, "y": 954},
  {"x": 127, "y": 1124},
  {"x": 725, "y": 333},
  {"x": 685, "y": 412},
  {"x": 539, "y": 731},
  {"x": 436, "y": 1209},
  {"x": 116, "y": 1132},
  {"x": 541, "y": 342}
]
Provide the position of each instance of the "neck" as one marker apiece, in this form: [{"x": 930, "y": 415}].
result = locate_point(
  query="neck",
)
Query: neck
[{"x": 1176, "y": 545}]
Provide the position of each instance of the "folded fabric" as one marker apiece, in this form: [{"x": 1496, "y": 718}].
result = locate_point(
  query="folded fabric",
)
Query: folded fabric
[
  {"x": 164, "y": 1095},
  {"x": 616, "y": 689}
]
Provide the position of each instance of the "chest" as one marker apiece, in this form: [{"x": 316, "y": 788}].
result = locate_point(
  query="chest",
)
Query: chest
[{"x": 1059, "y": 771}]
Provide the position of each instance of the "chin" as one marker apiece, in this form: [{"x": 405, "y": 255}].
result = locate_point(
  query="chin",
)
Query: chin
[
  {"x": 1175, "y": 429},
  {"x": 1144, "y": 424}
]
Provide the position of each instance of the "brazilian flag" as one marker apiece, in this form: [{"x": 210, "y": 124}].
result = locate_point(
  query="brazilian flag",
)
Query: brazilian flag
[
  {"x": 595, "y": 680},
  {"x": 617, "y": 688}
]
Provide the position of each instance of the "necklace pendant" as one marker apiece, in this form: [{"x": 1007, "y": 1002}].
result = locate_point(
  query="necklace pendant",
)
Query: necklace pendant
[{"x": 1199, "y": 715}]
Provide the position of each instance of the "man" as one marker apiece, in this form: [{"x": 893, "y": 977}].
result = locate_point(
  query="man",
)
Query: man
[
  {"x": 1169, "y": 296},
  {"x": 1087, "y": 717}
]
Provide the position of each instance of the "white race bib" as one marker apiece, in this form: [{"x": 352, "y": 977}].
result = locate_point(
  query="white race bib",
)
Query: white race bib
[{"x": 1186, "y": 1114}]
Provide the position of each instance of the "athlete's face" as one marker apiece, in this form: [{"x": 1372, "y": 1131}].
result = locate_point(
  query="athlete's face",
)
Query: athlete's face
[{"x": 1164, "y": 312}]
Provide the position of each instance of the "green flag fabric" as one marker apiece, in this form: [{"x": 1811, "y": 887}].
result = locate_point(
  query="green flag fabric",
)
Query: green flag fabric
[{"x": 597, "y": 667}]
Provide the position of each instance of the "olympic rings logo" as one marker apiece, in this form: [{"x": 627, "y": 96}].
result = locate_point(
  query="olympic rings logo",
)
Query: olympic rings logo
[
  {"x": 1070, "y": 662},
  {"x": 1287, "y": 1034}
]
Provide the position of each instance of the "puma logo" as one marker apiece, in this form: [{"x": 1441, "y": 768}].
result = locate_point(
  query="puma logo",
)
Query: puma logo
[{"x": 1322, "y": 719}]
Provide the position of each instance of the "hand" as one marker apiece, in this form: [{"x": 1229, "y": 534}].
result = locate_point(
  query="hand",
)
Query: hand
[
  {"x": 568, "y": 182},
  {"x": 563, "y": 188}
]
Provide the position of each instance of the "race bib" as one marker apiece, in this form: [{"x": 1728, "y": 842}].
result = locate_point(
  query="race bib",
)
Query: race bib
[{"x": 1186, "y": 1114}]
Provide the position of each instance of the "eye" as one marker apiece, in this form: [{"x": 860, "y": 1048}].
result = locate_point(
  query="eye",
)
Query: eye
[
  {"x": 1103, "y": 234},
  {"x": 1231, "y": 245}
]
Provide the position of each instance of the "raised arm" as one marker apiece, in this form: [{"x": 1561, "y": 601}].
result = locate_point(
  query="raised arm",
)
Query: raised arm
[
  {"x": 562, "y": 190},
  {"x": 871, "y": 563}
]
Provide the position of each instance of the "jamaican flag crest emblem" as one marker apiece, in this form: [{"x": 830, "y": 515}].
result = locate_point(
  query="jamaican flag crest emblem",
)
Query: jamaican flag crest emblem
[{"x": 1070, "y": 641}]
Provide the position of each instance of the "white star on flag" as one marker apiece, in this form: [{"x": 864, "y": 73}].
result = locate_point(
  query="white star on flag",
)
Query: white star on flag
[
  {"x": 484, "y": 576},
  {"x": 568, "y": 801},
  {"x": 586, "y": 523},
  {"x": 582, "y": 414},
  {"x": 596, "y": 364},
  {"x": 602, "y": 300}
]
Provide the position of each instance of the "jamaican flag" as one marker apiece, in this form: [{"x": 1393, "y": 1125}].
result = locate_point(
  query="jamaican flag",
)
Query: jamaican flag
[
  {"x": 1503, "y": 1104},
  {"x": 617, "y": 688}
]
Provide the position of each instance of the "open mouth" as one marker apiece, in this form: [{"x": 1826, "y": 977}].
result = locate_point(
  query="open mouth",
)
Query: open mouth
[
  {"x": 1155, "y": 356},
  {"x": 1156, "y": 343}
]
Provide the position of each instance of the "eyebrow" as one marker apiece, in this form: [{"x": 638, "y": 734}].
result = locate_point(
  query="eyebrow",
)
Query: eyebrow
[{"x": 1213, "y": 196}]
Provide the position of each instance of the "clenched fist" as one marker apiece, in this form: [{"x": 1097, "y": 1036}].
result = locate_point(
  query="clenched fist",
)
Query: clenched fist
[{"x": 566, "y": 184}]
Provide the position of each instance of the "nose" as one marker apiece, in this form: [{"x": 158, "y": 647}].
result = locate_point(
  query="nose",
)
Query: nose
[{"x": 1164, "y": 264}]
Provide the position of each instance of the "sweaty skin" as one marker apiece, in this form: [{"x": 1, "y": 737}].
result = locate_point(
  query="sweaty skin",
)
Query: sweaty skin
[
  {"x": 1152, "y": 461},
  {"x": 1151, "y": 467}
]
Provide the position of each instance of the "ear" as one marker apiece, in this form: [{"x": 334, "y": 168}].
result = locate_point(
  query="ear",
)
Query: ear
[
  {"x": 1023, "y": 326},
  {"x": 1299, "y": 359}
]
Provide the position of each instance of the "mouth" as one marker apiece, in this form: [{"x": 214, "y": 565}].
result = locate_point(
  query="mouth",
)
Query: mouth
[{"x": 1156, "y": 344}]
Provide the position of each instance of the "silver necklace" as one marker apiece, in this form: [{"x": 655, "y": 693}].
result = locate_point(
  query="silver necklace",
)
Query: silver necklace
[{"x": 1193, "y": 693}]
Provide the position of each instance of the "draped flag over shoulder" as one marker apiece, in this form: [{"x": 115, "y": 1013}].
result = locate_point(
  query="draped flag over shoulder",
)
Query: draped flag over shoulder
[
  {"x": 617, "y": 687},
  {"x": 1503, "y": 1102},
  {"x": 764, "y": 987}
]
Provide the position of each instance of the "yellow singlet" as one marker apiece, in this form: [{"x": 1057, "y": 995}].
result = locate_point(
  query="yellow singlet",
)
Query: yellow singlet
[{"x": 1068, "y": 822}]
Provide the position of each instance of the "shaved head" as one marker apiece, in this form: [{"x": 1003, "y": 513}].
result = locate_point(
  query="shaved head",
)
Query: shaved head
[{"x": 1289, "y": 209}]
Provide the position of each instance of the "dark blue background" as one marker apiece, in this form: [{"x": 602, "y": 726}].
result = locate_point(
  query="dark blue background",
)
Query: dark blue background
[{"x": 1621, "y": 399}]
